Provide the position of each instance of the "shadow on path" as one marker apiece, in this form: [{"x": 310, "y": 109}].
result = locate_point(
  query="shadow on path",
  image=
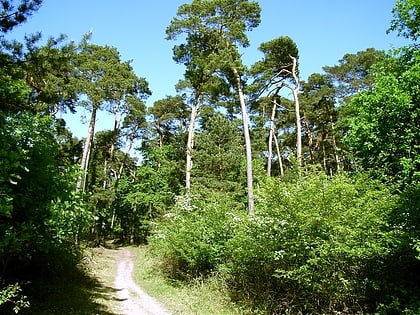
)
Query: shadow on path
[{"x": 75, "y": 293}]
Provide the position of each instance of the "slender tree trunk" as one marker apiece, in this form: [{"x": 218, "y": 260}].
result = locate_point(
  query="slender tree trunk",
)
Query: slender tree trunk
[
  {"x": 160, "y": 137},
  {"x": 295, "y": 91},
  {"x": 190, "y": 145},
  {"x": 279, "y": 156},
  {"x": 247, "y": 143},
  {"x": 117, "y": 124},
  {"x": 105, "y": 182},
  {"x": 81, "y": 182},
  {"x": 270, "y": 139}
]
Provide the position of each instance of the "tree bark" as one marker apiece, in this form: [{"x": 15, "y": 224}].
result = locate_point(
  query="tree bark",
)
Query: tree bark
[
  {"x": 81, "y": 182},
  {"x": 324, "y": 151},
  {"x": 247, "y": 143},
  {"x": 117, "y": 124},
  {"x": 190, "y": 145},
  {"x": 279, "y": 156},
  {"x": 270, "y": 139},
  {"x": 295, "y": 92}
]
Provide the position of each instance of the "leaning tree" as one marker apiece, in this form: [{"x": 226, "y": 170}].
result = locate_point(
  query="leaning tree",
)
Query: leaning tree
[{"x": 220, "y": 27}]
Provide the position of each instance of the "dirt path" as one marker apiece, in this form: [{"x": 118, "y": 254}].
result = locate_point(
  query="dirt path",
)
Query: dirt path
[{"x": 132, "y": 300}]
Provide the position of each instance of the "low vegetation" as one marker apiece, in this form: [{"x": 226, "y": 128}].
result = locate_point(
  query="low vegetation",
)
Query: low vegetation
[
  {"x": 199, "y": 296},
  {"x": 316, "y": 245}
]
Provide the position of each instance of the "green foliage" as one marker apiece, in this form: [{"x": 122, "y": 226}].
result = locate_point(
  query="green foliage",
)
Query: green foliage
[
  {"x": 142, "y": 198},
  {"x": 12, "y": 294},
  {"x": 14, "y": 12},
  {"x": 218, "y": 156},
  {"x": 36, "y": 191},
  {"x": 13, "y": 89},
  {"x": 322, "y": 140},
  {"x": 353, "y": 73},
  {"x": 27, "y": 154},
  {"x": 169, "y": 118},
  {"x": 69, "y": 220},
  {"x": 192, "y": 238},
  {"x": 383, "y": 124},
  {"x": 237, "y": 17},
  {"x": 406, "y": 21},
  {"x": 41, "y": 217},
  {"x": 276, "y": 66},
  {"x": 316, "y": 245}
]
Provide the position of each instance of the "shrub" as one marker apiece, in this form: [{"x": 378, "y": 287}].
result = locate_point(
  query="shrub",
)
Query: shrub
[
  {"x": 11, "y": 294},
  {"x": 315, "y": 245},
  {"x": 191, "y": 239}
]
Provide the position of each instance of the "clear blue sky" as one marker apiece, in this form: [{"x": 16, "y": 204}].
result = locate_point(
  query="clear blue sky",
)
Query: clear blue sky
[{"x": 324, "y": 31}]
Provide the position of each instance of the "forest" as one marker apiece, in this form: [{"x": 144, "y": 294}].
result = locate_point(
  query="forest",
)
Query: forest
[{"x": 301, "y": 196}]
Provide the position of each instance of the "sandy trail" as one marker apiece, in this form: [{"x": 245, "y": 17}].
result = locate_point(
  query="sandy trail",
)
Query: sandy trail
[{"x": 132, "y": 299}]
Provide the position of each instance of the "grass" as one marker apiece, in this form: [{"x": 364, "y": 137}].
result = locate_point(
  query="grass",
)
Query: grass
[{"x": 203, "y": 297}]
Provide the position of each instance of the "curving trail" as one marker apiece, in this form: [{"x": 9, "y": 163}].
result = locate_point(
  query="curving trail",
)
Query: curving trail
[{"x": 132, "y": 299}]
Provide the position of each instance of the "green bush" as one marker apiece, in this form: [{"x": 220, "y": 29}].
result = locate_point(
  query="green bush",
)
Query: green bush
[
  {"x": 40, "y": 214},
  {"x": 315, "y": 246},
  {"x": 11, "y": 294},
  {"x": 191, "y": 239}
]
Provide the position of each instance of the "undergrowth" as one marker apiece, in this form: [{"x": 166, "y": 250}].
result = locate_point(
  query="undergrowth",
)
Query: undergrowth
[{"x": 316, "y": 245}]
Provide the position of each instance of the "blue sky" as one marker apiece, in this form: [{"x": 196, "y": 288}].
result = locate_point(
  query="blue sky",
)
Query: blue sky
[{"x": 324, "y": 31}]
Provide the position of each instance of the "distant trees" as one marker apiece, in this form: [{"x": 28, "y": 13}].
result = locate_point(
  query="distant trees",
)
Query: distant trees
[
  {"x": 276, "y": 71},
  {"x": 219, "y": 157},
  {"x": 215, "y": 30},
  {"x": 104, "y": 81}
]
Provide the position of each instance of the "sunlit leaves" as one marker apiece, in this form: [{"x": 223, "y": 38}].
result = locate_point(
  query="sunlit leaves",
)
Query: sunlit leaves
[
  {"x": 383, "y": 124},
  {"x": 406, "y": 21},
  {"x": 316, "y": 238}
]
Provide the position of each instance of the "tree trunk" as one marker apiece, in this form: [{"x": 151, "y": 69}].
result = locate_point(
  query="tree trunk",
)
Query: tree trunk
[
  {"x": 117, "y": 124},
  {"x": 161, "y": 136},
  {"x": 81, "y": 181},
  {"x": 247, "y": 143},
  {"x": 190, "y": 145},
  {"x": 279, "y": 156},
  {"x": 297, "y": 110},
  {"x": 105, "y": 182},
  {"x": 270, "y": 139}
]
